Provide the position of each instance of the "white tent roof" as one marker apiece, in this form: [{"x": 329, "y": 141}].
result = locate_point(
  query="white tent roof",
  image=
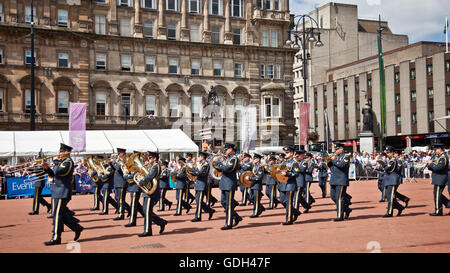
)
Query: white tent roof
[
  {"x": 27, "y": 143},
  {"x": 172, "y": 140}
]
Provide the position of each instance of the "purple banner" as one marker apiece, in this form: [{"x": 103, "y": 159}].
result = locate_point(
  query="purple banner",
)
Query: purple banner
[{"x": 77, "y": 127}]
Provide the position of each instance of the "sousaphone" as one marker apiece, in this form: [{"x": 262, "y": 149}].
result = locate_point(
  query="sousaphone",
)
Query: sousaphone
[{"x": 275, "y": 173}]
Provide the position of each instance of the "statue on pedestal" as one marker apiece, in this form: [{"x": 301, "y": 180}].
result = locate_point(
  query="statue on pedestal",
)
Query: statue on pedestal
[{"x": 367, "y": 118}]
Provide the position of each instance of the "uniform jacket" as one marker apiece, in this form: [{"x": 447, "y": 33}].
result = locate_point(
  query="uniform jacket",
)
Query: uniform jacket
[
  {"x": 270, "y": 180},
  {"x": 292, "y": 172},
  {"x": 390, "y": 177},
  {"x": 323, "y": 169},
  {"x": 309, "y": 170},
  {"x": 108, "y": 179},
  {"x": 439, "y": 166},
  {"x": 202, "y": 176},
  {"x": 300, "y": 179},
  {"x": 258, "y": 171},
  {"x": 119, "y": 181},
  {"x": 132, "y": 186},
  {"x": 155, "y": 170},
  {"x": 229, "y": 168},
  {"x": 339, "y": 170},
  {"x": 181, "y": 176},
  {"x": 62, "y": 174},
  {"x": 164, "y": 179}
]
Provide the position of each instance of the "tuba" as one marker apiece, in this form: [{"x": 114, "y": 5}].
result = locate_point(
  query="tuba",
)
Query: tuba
[
  {"x": 135, "y": 163},
  {"x": 275, "y": 173},
  {"x": 94, "y": 164}
]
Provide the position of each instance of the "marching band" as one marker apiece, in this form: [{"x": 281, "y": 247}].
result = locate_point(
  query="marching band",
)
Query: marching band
[{"x": 290, "y": 175}]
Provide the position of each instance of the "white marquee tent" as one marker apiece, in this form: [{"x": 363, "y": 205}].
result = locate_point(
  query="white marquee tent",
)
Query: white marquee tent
[{"x": 29, "y": 143}]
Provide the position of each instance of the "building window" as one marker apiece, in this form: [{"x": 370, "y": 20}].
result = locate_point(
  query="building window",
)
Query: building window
[
  {"x": 215, "y": 7},
  {"x": 100, "y": 104},
  {"x": 148, "y": 29},
  {"x": 430, "y": 116},
  {"x": 125, "y": 27},
  {"x": 28, "y": 58},
  {"x": 126, "y": 104},
  {"x": 276, "y": 4},
  {"x": 125, "y": 3},
  {"x": 150, "y": 105},
  {"x": 357, "y": 105},
  {"x": 149, "y": 4},
  {"x": 346, "y": 108},
  {"x": 265, "y": 37},
  {"x": 126, "y": 62},
  {"x": 430, "y": 92},
  {"x": 262, "y": 71},
  {"x": 63, "y": 60},
  {"x": 413, "y": 95},
  {"x": 398, "y": 120},
  {"x": 429, "y": 69},
  {"x": 173, "y": 105},
  {"x": 1, "y": 12},
  {"x": 369, "y": 83},
  {"x": 100, "y": 24},
  {"x": 173, "y": 66},
  {"x": 274, "y": 38},
  {"x": 447, "y": 66},
  {"x": 334, "y": 91},
  {"x": 150, "y": 64},
  {"x": 63, "y": 17},
  {"x": 335, "y": 109},
  {"x": 238, "y": 106},
  {"x": 28, "y": 14},
  {"x": 278, "y": 71},
  {"x": 195, "y": 67},
  {"x": 196, "y": 106},
  {"x": 63, "y": 102},
  {"x": 325, "y": 94},
  {"x": 397, "y": 77},
  {"x": 448, "y": 111},
  {"x": 272, "y": 107},
  {"x": 447, "y": 89},
  {"x": 172, "y": 5},
  {"x": 100, "y": 61},
  {"x": 194, "y": 6},
  {"x": 195, "y": 33},
  {"x": 369, "y": 101},
  {"x": 345, "y": 90},
  {"x": 172, "y": 31},
  {"x": 335, "y": 127},
  {"x": 357, "y": 87},
  {"x": 215, "y": 36},
  {"x": 28, "y": 100},
  {"x": 1, "y": 99},
  {"x": 236, "y": 36},
  {"x": 412, "y": 73},
  {"x": 238, "y": 70},
  {"x": 397, "y": 98},
  {"x": 267, "y": 4},
  {"x": 1, "y": 55},
  {"x": 346, "y": 125},
  {"x": 217, "y": 67},
  {"x": 358, "y": 125},
  {"x": 237, "y": 9},
  {"x": 414, "y": 118},
  {"x": 270, "y": 71},
  {"x": 100, "y": 1}
]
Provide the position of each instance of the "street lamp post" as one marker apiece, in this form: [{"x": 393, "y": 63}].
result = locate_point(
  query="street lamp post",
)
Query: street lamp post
[{"x": 303, "y": 37}]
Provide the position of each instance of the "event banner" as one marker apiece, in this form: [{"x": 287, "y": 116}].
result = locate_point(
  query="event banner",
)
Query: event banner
[
  {"x": 248, "y": 128},
  {"x": 304, "y": 119},
  {"x": 83, "y": 183},
  {"x": 23, "y": 186},
  {"x": 77, "y": 127}
]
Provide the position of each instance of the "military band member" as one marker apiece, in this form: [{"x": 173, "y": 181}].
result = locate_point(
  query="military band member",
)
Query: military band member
[
  {"x": 201, "y": 187},
  {"x": 62, "y": 173},
  {"x": 181, "y": 176},
  {"x": 164, "y": 185},
  {"x": 323, "y": 176},
  {"x": 287, "y": 189},
  {"x": 189, "y": 197},
  {"x": 39, "y": 185},
  {"x": 380, "y": 169},
  {"x": 135, "y": 194},
  {"x": 271, "y": 185},
  {"x": 391, "y": 182},
  {"x": 120, "y": 185},
  {"x": 339, "y": 182},
  {"x": 310, "y": 165},
  {"x": 97, "y": 184},
  {"x": 151, "y": 200},
  {"x": 300, "y": 181},
  {"x": 439, "y": 178},
  {"x": 228, "y": 185},
  {"x": 245, "y": 165},
  {"x": 108, "y": 184},
  {"x": 256, "y": 188},
  {"x": 400, "y": 174}
]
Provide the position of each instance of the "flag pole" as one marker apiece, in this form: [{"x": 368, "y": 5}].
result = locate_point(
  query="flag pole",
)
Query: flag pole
[{"x": 446, "y": 34}]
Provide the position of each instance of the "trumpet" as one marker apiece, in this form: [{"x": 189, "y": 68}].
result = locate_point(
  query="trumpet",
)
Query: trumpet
[
  {"x": 36, "y": 163},
  {"x": 329, "y": 157}
]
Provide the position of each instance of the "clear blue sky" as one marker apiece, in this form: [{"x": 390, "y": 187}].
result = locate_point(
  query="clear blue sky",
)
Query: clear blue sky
[{"x": 421, "y": 20}]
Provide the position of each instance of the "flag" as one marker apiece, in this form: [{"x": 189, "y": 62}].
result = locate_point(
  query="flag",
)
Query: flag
[
  {"x": 327, "y": 129},
  {"x": 304, "y": 119},
  {"x": 77, "y": 127},
  {"x": 445, "y": 25},
  {"x": 248, "y": 128}
]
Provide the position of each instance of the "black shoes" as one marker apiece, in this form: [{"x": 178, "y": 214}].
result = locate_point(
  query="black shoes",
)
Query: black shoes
[
  {"x": 33, "y": 213},
  {"x": 49, "y": 209},
  {"x": 211, "y": 214},
  {"x": 387, "y": 215},
  {"x": 145, "y": 234},
  {"x": 196, "y": 220},
  {"x": 103, "y": 213},
  {"x": 287, "y": 223},
  {"x": 226, "y": 227},
  {"x": 400, "y": 211},
  {"x": 130, "y": 225},
  {"x": 92, "y": 209},
  {"x": 119, "y": 218},
  {"x": 177, "y": 214},
  {"x": 237, "y": 221},
  {"x": 436, "y": 214},
  {"x": 347, "y": 213},
  {"x": 53, "y": 242},
  {"x": 188, "y": 209},
  {"x": 77, "y": 234},
  {"x": 162, "y": 227},
  {"x": 338, "y": 219},
  {"x": 406, "y": 202}
]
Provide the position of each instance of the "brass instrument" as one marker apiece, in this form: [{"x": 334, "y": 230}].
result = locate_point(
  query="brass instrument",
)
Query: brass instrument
[
  {"x": 93, "y": 163},
  {"x": 328, "y": 157},
  {"x": 214, "y": 172},
  {"x": 275, "y": 173},
  {"x": 246, "y": 182},
  {"x": 189, "y": 173},
  {"x": 173, "y": 177},
  {"x": 136, "y": 164}
]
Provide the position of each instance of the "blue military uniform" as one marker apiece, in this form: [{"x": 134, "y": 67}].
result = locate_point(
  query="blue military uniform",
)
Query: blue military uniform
[
  {"x": 164, "y": 185},
  {"x": 39, "y": 185},
  {"x": 310, "y": 165},
  {"x": 228, "y": 185},
  {"x": 439, "y": 179},
  {"x": 135, "y": 194},
  {"x": 62, "y": 174},
  {"x": 120, "y": 186},
  {"x": 97, "y": 184},
  {"x": 256, "y": 188},
  {"x": 271, "y": 186},
  {"x": 245, "y": 166},
  {"x": 323, "y": 177},
  {"x": 201, "y": 186},
  {"x": 151, "y": 200},
  {"x": 181, "y": 189},
  {"x": 108, "y": 184},
  {"x": 301, "y": 183},
  {"x": 401, "y": 174},
  {"x": 339, "y": 182},
  {"x": 287, "y": 189},
  {"x": 391, "y": 182},
  {"x": 380, "y": 170}
]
